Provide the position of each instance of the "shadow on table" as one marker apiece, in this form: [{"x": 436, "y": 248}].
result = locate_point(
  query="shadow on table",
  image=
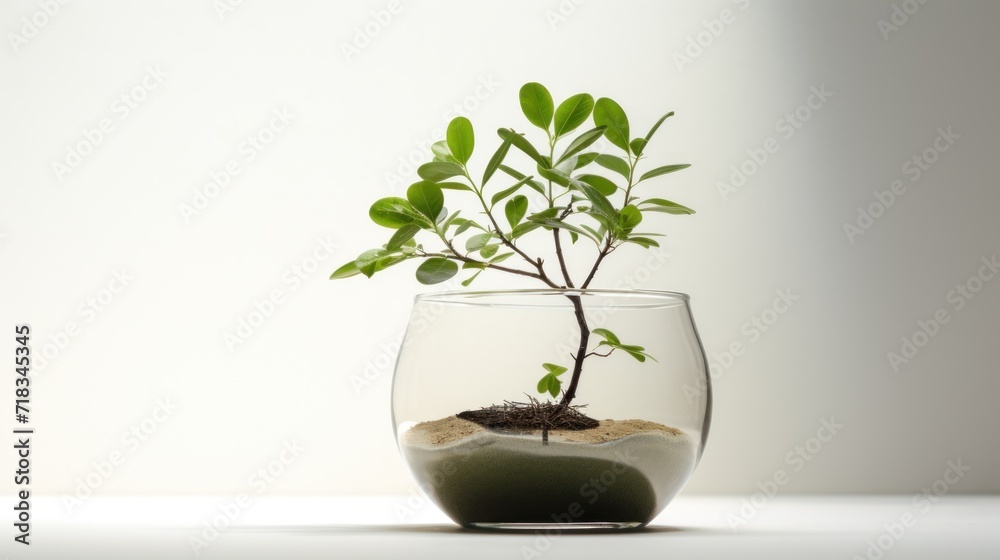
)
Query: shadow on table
[{"x": 442, "y": 529}]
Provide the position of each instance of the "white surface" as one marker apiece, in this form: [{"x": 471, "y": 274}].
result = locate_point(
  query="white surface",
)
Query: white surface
[
  {"x": 162, "y": 336},
  {"x": 965, "y": 527}
]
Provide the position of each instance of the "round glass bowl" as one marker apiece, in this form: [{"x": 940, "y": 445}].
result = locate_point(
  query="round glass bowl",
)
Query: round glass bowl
[{"x": 465, "y": 351}]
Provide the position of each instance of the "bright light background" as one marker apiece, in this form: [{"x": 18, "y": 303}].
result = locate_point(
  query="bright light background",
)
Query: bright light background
[{"x": 63, "y": 236}]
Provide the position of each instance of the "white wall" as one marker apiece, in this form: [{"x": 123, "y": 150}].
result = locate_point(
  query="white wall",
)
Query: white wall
[{"x": 191, "y": 282}]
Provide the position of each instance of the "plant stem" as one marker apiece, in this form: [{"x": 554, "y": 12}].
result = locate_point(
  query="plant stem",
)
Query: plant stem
[
  {"x": 556, "y": 234},
  {"x": 581, "y": 353},
  {"x": 562, "y": 260},
  {"x": 581, "y": 319}
]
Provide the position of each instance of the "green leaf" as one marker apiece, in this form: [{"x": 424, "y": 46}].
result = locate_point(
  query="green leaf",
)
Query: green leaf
[
  {"x": 440, "y": 149},
  {"x": 501, "y": 257},
  {"x": 592, "y": 231},
  {"x": 553, "y": 223},
  {"x": 439, "y": 171},
  {"x": 393, "y": 212},
  {"x": 663, "y": 205},
  {"x": 469, "y": 280},
  {"x": 585, "y": 159},
  {"x": 607, "y": 335},
  {"x": 522, "y": 144},
  {"x": 543, "y": 384},
  {"x": 554, "y": 386},
  {"x": 662, "y": 171},
  {"x": 581, "y": 142},
  {"x": 464, "y": 225},
  {"x": 401, "y": 236},
  {"x": 637, "y": 355},
  {"x": 508, "y": 191},
  {"x": 515, "y": 209},
  {"x": 554, "y": 369},
  {"x": 366, "y": 261},
  {"x": 390, "y": 260},
  {"x": 455, "y": 186},
  {"x": 600, "y": 203},
  {"x": 547, "y": 213},
  {"x": 637, "y": 145},
  {"x": 442, "y": 152},
  {"x": 489, "y": 250},
  {"x": 496, "y": 160},
  {"x": 524, "y": 228},
  {"x": 602, "y": 184},
  {"x": 554, "y": 175},
  {"x": 630, "y": 217},
  {"x": 461, "y": 139},
  {"x": 572, "y": 113},
  {"x": 652, "y": 131},
  {"x": 426, "y": 197},
  {"x": 644, "y": 242},
  {"x": 614, "y": 163},
  {"x": 451, "y": 219},
  {"x": 436, "y": 270},
  {"x": 346, "y": 271},
  {"x": 536, "y": 104},
  {"x": 518, "y": 175},
  {"x": 477, "y": 242},
  {"x": 567, "y": 166},
  {"x": 610, "y": 114},
  {"x": 637, "y": 352}
]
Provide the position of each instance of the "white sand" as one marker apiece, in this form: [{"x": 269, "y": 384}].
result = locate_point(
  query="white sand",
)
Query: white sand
[{"x": 665, "y": 456}]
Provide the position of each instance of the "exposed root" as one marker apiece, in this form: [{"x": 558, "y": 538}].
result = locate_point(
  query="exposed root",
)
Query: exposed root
[{"x": 530, "y": 416}]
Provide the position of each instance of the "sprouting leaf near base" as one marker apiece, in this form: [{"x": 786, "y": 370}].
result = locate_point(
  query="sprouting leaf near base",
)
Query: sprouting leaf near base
[
  {"x": 550, "y": 382},
  {"x": 611, "y": 340},
  {"x": 607, "y": 335}
]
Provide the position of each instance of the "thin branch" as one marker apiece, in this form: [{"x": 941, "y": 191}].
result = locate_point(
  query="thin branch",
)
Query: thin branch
[
  {"x": 559, "y": 251},
  {"x": 464, "y": 259},
  {"x": 455, "y": 255},
  {"x": 600, "y": 257},
  {"x": 537, "y": 263}
]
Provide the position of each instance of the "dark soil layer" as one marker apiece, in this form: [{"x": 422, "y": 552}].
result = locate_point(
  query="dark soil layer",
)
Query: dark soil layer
[
  {"x": 514, "y": 416},
  {"x": 512, "y": 487}
]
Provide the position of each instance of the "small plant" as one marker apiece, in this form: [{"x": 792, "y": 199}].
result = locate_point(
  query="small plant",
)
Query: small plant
[{"x": 558, "y": 198}]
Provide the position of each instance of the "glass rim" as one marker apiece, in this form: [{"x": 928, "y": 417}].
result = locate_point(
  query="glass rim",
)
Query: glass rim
[{"x": 494, "y": 298}]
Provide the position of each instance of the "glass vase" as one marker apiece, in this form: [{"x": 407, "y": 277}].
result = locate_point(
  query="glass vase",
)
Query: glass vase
[{"x": 496, "y": 443}]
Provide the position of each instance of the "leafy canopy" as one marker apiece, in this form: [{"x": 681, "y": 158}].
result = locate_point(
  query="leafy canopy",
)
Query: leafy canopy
[{"x": 568, "y": 188}]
